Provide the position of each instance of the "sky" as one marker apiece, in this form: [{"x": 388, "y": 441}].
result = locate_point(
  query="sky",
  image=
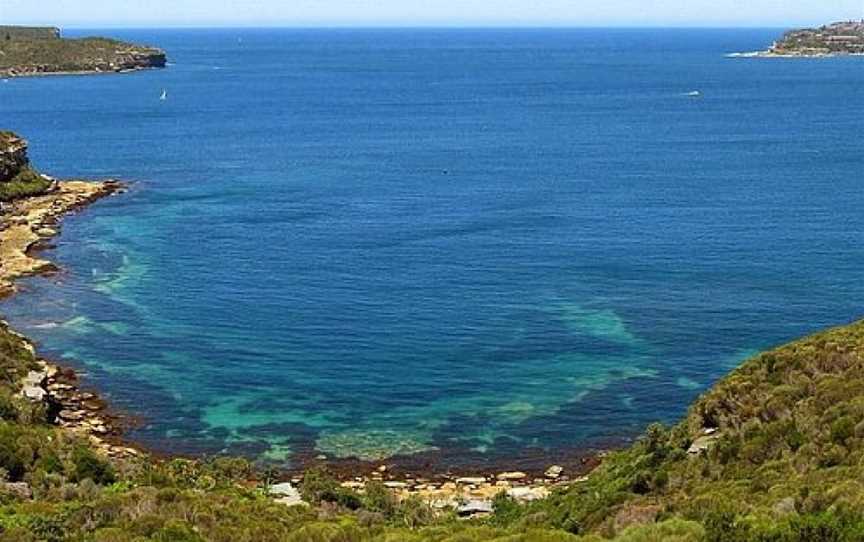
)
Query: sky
[{"x": 120, "y": 13}]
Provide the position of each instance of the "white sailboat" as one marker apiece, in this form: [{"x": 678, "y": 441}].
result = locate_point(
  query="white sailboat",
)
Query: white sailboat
[{"x": 164, "y": 95}]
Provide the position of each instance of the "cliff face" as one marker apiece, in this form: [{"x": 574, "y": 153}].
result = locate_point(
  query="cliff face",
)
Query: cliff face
[{"x": 13, "y": 156}]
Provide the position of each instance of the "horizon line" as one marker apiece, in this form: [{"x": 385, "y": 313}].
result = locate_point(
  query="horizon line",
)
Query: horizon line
[{"x": 407, "y": 26}]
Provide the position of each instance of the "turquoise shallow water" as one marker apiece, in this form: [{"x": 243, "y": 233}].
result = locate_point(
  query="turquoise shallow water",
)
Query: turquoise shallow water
[{"x": 480, "y": 244}]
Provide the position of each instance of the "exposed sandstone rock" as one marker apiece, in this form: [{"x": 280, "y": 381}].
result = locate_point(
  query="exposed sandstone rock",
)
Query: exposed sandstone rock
[
  {"x": 704, "y": 442},
  {"x": 31, "y": 387},
  {"x": 527, "y": 494},
  {"x": 515, "y": 475},
  {"x": 471, "y": 480},
  {"x": 287, "y": 494},
  {"x": 554, "y": 471},
  {"x": 475, "y": 508}
]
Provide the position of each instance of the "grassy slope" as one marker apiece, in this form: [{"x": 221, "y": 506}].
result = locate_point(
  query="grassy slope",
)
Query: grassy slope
[{"x": 786, "y": 466}]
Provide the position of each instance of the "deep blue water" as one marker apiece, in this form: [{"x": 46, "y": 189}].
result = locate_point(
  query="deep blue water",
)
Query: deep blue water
[{"x": 490, "y": 242}]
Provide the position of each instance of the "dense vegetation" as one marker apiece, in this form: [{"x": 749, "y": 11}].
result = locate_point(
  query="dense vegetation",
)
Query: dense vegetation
[
  {"x": 782, "y": 460},
  {"x": 28, "y": 182}
]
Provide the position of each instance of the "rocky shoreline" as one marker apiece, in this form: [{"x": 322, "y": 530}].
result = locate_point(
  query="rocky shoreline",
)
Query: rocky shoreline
[
  {"x": 773, "y": 54},
  {"x": 27, "y": 223},
  {"x": 45, "y": 71}
]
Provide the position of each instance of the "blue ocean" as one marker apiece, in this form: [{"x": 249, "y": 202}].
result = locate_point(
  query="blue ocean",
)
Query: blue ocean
[{"x": 472, "y": 246}]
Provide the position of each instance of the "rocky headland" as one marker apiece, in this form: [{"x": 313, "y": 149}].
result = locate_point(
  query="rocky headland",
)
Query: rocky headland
[
  {"x": 32, "y": 206},
  {"x": 27, "y": 51},
  {"x": 837, "y": 39}
]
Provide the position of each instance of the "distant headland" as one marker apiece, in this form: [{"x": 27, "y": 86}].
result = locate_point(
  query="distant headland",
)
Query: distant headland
[
  {"x": 836, "y": 39},
  {"x": 27, "y": 51}
]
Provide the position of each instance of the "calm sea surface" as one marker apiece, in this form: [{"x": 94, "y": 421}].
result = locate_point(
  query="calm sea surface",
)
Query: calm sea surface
[{"x": 490, "y": 243}]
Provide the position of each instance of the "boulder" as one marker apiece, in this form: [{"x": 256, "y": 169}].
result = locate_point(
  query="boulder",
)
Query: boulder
[
  {"x": 31, "y": 387},
  {"x": 702, "y": 444},
  {"x": 72, "y": 415},
  {"x": 285, "y": 493},
  {"x": 475, "y": 507},
  {"x": 34, "y": 393},
  {"x": 515, "y": 475},
  {"x": 554, "y": 471},
  {"x": 471, "y": 480},
  {"x": 527, "y": 494}
]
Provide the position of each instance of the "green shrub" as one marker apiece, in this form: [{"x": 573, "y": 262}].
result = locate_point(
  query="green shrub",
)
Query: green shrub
[
  {"x": 8, "y": 406},
  {"x": 88, "y": 466},
  {"x": 377, "y": 498},
  {"x": 176, "y": 531},
  {"x": 319, "y": 486},
  {"x": 842, "y": 429},
  {"x": 676, "y": 530},
  {"x": 27, "y": 183}
]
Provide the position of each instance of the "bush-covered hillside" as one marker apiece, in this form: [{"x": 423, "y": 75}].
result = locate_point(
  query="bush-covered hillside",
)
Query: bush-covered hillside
[{"x": 774, "y": 452}]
